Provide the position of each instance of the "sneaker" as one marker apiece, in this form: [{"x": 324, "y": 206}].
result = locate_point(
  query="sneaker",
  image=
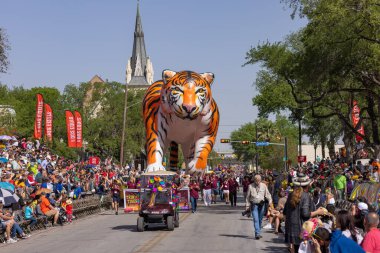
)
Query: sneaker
[
  {"x": 268, "y": 226},
  {"x": 26, "y": 236},
  {"x": 257, "y": 237},
  {"x": 11, "y": 241}
]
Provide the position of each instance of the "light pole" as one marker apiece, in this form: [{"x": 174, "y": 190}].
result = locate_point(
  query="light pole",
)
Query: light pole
[
  {"x": 123, "y": 128},
  {"x": 257, "y": 150}
]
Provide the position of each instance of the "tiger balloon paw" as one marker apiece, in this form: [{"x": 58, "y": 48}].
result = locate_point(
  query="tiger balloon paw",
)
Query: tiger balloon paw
[
  {"x": 193, "y": 169},
  {"x": 155, "y": 167}
]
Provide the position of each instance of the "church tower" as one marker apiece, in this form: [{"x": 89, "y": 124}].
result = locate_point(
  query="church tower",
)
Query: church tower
[{"x": 139, "y": 71}]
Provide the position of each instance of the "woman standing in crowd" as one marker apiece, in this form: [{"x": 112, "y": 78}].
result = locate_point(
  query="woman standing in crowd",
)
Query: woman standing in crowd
[{"x": 298, "y": 209}]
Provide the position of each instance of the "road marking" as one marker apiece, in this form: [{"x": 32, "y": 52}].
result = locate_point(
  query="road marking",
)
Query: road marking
[{"x": 159, "y": 237}]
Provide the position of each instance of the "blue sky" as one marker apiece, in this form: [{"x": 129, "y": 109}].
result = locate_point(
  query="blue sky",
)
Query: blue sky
[{"x": 55, "y": 43}]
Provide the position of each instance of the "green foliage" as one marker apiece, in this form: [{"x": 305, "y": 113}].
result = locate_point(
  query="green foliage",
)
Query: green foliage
[
  {"x": 269, "y": 156},
  {"x": 322, "y": 68},
  {"x": 101, "y": 106}
]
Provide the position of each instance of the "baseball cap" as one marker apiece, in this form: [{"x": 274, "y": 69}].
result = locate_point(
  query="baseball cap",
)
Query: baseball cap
[{"x": 362, "y": 206}]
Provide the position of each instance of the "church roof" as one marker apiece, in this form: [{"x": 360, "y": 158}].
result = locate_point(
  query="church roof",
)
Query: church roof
[
  {"x": 96, "y": 79},
  {"x": 138, "y": 81},
  {"x": 139, "y": 57}
]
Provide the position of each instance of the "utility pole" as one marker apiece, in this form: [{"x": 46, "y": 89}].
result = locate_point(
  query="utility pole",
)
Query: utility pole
[
  {"x": 124, "y": 126},
  {"x": 299, "y": 138},
  {"x": 257, "y": 150},
  {"x": 286, "y": 153}
]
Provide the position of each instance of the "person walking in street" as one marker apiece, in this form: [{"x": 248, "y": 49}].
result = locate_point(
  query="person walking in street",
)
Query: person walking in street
[
  {"x": 214, "y": 188},
  {"x": 207, "y": 190},
  {"x": 115, "y": 196},
  {"x": 233, "y": 187},
  {"x": 226, "y": 191},
  {"x": 194, "y": 194},
  {"x": 256, "y": 196}
]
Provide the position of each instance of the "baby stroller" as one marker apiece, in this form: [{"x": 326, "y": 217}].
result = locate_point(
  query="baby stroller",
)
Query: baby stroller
[{"x": 62, "y": 218}]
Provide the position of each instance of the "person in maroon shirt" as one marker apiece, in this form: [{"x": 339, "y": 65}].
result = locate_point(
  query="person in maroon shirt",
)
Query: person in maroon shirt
[
  {"x": 115, "y": 195},
  {"x": 226, "y": 191},
  {"x": 214, "y": 188},
  {"x": 207, "y": 190},
  {"x": 246, "y": 183},
  {"x": 194, "y": 194},
  {"x": 233, "y": 186}
]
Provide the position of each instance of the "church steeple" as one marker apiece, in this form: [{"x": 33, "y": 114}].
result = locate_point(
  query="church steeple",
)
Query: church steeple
[
  {"x": 139, "y": 68},
  {"x": 139, "y": 52}
]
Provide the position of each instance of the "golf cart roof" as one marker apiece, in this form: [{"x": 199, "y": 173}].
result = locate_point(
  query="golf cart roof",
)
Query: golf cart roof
[{"x": 159, "y": 173}]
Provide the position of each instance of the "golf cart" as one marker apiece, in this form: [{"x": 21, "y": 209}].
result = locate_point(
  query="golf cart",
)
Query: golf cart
[{"x": 156, "y": 200}]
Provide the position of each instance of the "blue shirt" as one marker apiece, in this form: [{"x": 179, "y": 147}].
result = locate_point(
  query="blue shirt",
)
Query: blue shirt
[
  {"x": 341, "y": 244},
  {"x": 28, "y": 212},
  {"x": 77, "y": 192}
]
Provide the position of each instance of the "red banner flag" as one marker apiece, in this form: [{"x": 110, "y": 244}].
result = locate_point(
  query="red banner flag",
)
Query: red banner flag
[
  {"x": 48, "y": 123},
  {"x": 70, "y": 126},
  {"x": 38, "y": 120},
  {"x": 78, "y": 124},
  {"x": 93, "y": 160},
  {"x": 355, "y": 120}
]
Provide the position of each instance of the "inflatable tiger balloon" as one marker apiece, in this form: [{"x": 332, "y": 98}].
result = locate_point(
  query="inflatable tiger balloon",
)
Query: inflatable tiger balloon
[{"x": 179, "y": 109}]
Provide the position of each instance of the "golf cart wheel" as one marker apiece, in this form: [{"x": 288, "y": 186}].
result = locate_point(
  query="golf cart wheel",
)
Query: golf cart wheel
[
  {"x": 170, "y": 223},
  {"x": 176, "y": 220},
  {"x": 140, "y": 224}
]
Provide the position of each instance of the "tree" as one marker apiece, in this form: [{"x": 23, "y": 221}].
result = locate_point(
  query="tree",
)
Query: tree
[
  {"x": 269, "y": 156},
  {"x": 101, "y": 130},
  {"x": 334, "y": 60},
  {"x": 4, "y": 47}
]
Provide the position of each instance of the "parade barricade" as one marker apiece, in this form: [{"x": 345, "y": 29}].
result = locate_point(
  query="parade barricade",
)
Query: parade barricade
[{"x": 90, "y": 204}]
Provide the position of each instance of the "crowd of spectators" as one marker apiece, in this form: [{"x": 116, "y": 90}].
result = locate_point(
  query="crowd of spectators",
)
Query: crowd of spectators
[{"x": 47, "y": 184}]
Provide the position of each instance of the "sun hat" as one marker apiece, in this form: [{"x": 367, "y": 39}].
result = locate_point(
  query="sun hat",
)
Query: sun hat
[
  {"x": 362, "y": 206},
  {"x": 301, "y": 180}
]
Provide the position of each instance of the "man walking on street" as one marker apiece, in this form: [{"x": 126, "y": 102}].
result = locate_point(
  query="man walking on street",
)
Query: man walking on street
[{"x": 256, "y": 196}]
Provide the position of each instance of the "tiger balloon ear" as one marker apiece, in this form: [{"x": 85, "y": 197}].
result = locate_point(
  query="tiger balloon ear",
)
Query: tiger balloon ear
[
  {"x": 208, "y": 76},
  {"x": 167, "y": 74}
]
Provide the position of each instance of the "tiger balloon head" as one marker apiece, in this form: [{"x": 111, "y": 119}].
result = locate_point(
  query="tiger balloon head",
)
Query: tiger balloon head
[{"x": 186, "y": 94}]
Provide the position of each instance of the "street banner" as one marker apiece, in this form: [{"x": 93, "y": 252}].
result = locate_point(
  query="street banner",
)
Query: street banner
[
  {"x": 70, "y": 126},
  {"x": 78, "y": 127},
  {"x": 302, "y": 159},
  {"x": 93, "y": 160},
  {"x": 131, "y": 200},
  {"x": 183, "y": 199},
  {"x": 38, "y": 119},
  {"x": 48, "y": 123},
  {"x": 355, "y": 120}
]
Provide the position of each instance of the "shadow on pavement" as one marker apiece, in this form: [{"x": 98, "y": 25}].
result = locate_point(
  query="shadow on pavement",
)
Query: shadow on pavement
[
  {"x": 133, "y": 228},
  {"x": 236, "y": 236}
]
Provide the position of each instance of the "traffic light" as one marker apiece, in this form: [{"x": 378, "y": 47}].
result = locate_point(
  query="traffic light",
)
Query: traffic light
[
  {"x": 245, "y": 142},
  {"x": 225, "y": 140}
]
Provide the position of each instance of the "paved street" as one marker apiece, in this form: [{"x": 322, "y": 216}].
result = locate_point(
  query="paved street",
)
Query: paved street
[{"x": 219, "y": 228}]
